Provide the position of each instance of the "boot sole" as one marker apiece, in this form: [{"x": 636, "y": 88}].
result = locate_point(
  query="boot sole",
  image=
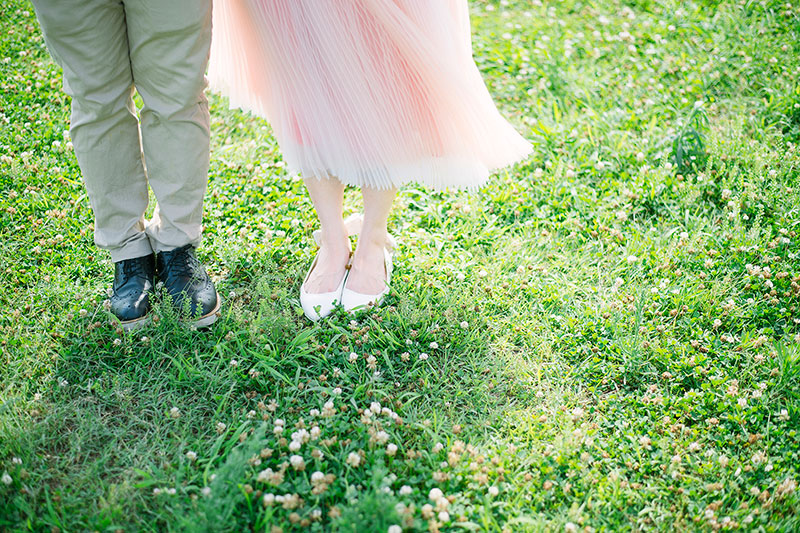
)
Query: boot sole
[
  {"x": 133, "y": 325},
  {"x": 210, "y": 318}
]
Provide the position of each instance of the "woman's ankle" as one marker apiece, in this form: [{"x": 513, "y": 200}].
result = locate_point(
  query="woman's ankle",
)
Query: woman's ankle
[
  {"x": 373, "y": 238},
  {"x": 334, "y": 237}
]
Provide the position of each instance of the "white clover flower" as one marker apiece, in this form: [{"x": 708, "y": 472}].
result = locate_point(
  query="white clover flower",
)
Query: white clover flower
[
  {"x": 391, "y": 449},
  {"x": 460, "y": 276},
  {"x": 569, "y": 527},
  {"x": 336, "y": 391},
  {"x": 269, "y": 499},
  {"x": 297, "y": 462},
  {"x": 353, "y": 357},
  {"x": 423, "y": 357},
  {"x": 405, "y": 490},
  {"x": 301, "y": 436},
  {"x": 759, "y": 458},
  {"x": 353, "y": 459},
  {"x": 444, "y": 516},
  {"x": 493, "y": 491},
  {"x": 192, "y": 456},
  {"x": 438, "y": 447},
  {"x": 632, "y": 259},
  {"x": 787, "y": 487},
  {"x": 434, "y": 345},
  {"x": 394, "y": 529},
  {"x": 295, "y": 446},
  {"x": 742, "y": 402},
  {"x": 206, "y": 492},
  {"x": 435, "y": 494},
  {"x": 175, "y": 412},
  {"x": 381, "y": 437},
  {"x": 221, "y": 427},
  {"x": 6, "y": 479},
  {"x": 464, "y": 324}
]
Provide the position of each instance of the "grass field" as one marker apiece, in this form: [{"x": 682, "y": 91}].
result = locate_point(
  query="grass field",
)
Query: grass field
[{"x": 605, "y": 338}]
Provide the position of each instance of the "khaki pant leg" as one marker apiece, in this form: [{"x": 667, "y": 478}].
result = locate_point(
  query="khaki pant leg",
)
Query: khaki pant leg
[
  {"x": 169, "y": 45},
  {"x": 88, "y": 39}
]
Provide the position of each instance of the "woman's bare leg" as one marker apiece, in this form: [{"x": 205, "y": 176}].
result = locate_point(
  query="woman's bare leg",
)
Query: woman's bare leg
[
  {"x": 367, "y": 274},
  {"x": 327, "y": 195}
]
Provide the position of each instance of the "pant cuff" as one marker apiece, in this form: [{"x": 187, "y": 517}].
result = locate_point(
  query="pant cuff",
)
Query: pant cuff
[
  {"x": 138, "y": 248},
  {"x": 173, "y": 245}
]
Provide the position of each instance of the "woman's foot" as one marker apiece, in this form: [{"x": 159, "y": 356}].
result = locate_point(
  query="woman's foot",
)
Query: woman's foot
[
  {"x": 322, "y": 289},
  {"x": 330, "y": 266},
  {"x": 370, "y": 274},
  {"x": 368, "y": 269}
]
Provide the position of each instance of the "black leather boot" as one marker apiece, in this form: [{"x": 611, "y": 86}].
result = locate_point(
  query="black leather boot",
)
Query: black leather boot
[
  {"x": 187, "y": 283},
  {"x": 133, "y": 284}
]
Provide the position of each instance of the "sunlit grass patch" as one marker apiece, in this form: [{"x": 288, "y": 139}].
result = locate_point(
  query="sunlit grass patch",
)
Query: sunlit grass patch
[{"x": 604, "y": 338}]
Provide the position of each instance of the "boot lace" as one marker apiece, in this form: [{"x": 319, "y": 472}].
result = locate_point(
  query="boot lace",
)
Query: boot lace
[
  {"x": 183, "y": 262},
  {"x": 133, "y": 268}
]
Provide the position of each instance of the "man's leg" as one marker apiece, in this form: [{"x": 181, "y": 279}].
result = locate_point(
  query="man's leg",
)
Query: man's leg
[
  {"x": 88, "y": 38},
  {"x": 169, "y": 43},
  {"x": 169, "y": 47}
]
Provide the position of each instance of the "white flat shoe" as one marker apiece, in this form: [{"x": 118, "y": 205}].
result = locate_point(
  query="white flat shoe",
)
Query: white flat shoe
[
  {"x": 318, "y": 306},
  {"x": 354, "y": 301}
]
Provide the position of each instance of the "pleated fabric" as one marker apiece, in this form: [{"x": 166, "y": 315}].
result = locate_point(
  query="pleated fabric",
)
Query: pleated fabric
[{"x": 376, "y": 93}]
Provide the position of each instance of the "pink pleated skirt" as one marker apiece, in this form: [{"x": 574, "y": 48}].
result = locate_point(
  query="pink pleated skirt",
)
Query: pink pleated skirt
[{"x": 375, "y": 93}]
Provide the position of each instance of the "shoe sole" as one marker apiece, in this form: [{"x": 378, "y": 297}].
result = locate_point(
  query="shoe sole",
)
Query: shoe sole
[
  {"x": 210, "y": 318},
  {"x": 133, "y": 325}
]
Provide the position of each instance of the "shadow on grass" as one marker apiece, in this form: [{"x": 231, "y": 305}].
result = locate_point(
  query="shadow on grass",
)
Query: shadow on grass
[{"x": 110, "y": 432}]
